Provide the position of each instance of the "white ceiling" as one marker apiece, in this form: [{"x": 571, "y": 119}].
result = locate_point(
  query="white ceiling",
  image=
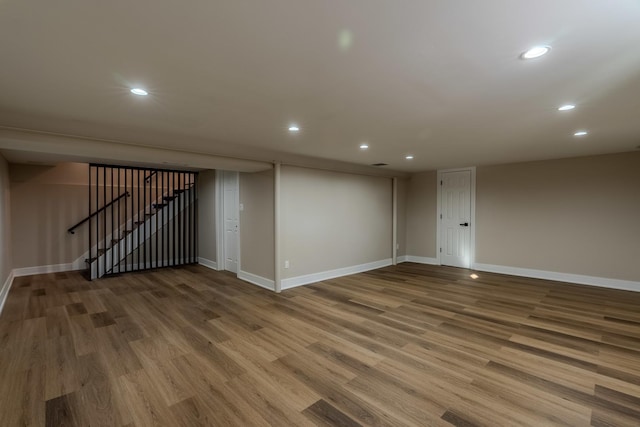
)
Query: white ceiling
[{"x": 438, "y": 79}]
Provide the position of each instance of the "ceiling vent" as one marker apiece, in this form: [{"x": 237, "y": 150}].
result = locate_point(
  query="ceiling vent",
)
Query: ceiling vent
[{"x": 379, "y": 164}]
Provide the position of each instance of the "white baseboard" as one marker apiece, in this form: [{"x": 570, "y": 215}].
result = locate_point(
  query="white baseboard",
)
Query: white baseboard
[
  {"x": 263, "y": 282},
  {"x": 402, "y": 258},
  {"x": 44, "y": 269},
  {"x": 293, "y": 282},
  {"x": 419, "y": 259},
  {"x": 208, "y": 263},
  {"x": 73, "y": 266},
  {"x": 603, "y": 282},
  {"x": 4, "y": 291}
]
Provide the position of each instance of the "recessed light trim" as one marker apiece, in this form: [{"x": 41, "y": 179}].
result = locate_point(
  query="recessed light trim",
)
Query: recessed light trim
[
  {"x": 294, "y": 128},
  {"x": 139, "y": 91},
  {"x": 364, "y": 146},
  {"x": 409, "y": 157},
  {"x": 535, "y": 52},
  {"x": 566, "y": 107},
  {"x": 581, "y": 133}
]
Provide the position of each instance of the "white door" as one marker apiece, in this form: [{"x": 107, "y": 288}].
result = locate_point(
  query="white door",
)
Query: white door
[
  {"x": 455, "y": 223},
  {"x": 231, "y": 220}
]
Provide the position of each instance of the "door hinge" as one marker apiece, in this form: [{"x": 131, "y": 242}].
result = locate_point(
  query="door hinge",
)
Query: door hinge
[
  {"x": 440, "y": 216},
  {"x": 440, "y": 182},
  {"x": 441, "y": 250}
]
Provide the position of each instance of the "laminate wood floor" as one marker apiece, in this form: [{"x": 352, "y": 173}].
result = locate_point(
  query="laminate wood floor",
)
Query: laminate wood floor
[{"x": 411, "y": 345}]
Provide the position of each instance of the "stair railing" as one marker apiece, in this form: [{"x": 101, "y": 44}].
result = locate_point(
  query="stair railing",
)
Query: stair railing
[
  {"x": 117, "y": 199},
  {"x": 156, "y": 228}
]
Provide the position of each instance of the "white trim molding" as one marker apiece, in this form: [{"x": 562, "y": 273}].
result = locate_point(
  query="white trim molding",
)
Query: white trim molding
[
  {"x": 263, "y": 282},
  {"x": 419, "y": 259},
  {"x": 4, "y": 291},
  {"x": 603, "y": 282},
  {"x": 208, "y": 263},
  {"x": 394, "y": 220},
  {"x": 277, "y": 227},
  {"x": 44, "y": 269},
  {"x": 219, "y": 217},
  {"x": 306, "y": 279}
]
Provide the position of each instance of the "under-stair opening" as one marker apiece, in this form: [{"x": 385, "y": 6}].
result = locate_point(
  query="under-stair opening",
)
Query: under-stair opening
[{"x": 140, "y": 219}]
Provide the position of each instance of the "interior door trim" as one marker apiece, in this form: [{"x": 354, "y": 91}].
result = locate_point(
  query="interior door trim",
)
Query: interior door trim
[
  {"x": 472, "y": 225},
  {"x": 219, "y": 218}
]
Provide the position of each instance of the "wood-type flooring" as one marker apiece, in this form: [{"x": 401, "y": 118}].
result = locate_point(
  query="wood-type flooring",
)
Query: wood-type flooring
[{"x": 410, "y": 345}]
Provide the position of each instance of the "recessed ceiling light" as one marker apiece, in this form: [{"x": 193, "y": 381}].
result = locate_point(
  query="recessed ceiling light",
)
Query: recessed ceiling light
[
  {"x": 580, "y": 133},
  {"x": 566, "y": 107},
  {"x": 294, "y": 128},
  {"x": 139, "y": 91},
  {"x": 535, "y": 52},
  {"x": 364, "y": 146},
  {"x": 409, "y": 157}
]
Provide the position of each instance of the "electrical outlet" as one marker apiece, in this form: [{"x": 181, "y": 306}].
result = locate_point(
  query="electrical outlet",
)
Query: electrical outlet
[
  {"x": 286, "y": 264},
  {"x": 397, "y": 245}
]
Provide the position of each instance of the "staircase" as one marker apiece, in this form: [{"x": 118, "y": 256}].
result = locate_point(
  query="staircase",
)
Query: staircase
[
  {"x": 152, "y": 224},
  {"x": 130, "y": 238}
]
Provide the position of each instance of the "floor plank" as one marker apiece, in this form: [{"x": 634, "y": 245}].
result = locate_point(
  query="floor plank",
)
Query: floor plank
[{"x": 406, "y": 345}]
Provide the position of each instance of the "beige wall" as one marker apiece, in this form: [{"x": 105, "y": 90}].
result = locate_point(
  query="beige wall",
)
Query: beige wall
[
  {"x": 256, "y": 224},
  {"x": 579, "y": 216},
  {"x": 6, "y": 264},
  {"x": 332, "y": 220},
  {"x": 207, "y": 215},
  {"x": 421, "y": 218},
  {"x": 45, "y": 202}
]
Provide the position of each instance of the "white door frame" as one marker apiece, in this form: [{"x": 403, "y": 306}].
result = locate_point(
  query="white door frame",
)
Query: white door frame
[
  {"x": 472, "y": 224},
  {"x": 219, "y": 208},
  {"x": 219, "y": 196}
]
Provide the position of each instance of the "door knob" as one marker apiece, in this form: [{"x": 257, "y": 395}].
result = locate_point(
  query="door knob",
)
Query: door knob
[{"x": 465, "y": 224}]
